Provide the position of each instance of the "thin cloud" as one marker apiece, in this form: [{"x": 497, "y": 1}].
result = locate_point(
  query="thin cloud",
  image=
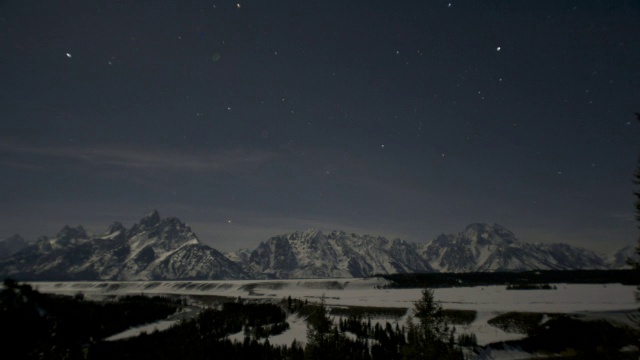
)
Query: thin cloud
[{"x": 147, "y": 159}]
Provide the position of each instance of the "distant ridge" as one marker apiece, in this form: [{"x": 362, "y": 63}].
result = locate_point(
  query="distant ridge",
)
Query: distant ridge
[
  {"x": 488, "y": 248},
  {"x": 157, "y": 248},
  {"x": 479, "y": 248},
  {"x": 153, "y": 249},
  {"x": 12, "y": 245},
  {"x": 313, "y": 254}
]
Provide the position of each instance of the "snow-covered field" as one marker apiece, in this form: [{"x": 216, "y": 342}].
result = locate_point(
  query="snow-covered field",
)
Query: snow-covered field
[{"x": 604, "y": 300}]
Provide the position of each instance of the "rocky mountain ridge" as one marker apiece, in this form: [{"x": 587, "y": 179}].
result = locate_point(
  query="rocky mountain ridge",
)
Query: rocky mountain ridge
[
  {"x": 486, "y": 248},
  {"x": 158, "y": 248},
  {"x": 12, "y": 245},
  {"x": 153, "y": 249},
  {"x": 337, "y": 254}
]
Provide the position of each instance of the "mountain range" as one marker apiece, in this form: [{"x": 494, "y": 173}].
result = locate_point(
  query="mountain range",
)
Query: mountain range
[
  {"x": 167, "y": 249},
  {"x": 152, "y": 249}
]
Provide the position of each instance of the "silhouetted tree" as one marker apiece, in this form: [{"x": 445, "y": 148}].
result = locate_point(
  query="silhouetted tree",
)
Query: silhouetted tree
[
  {"x": 318, "y": 331},
  {"x": 431, "y": 337},
  {"x": 635, "y": 262},
  {"x": 23, "y": 327}
]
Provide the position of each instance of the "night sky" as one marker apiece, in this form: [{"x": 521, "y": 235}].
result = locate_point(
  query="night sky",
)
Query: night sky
[{"x": 254, "y": 118}]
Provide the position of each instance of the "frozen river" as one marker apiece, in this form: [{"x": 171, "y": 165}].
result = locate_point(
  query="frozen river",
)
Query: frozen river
[{"x": 371, "y": 292}]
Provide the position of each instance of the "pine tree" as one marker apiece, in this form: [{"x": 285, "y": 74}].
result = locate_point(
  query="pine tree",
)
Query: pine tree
[
  {"x": 431, "y": 337},
  {"x": 319, "y": 326},
  {"x": 635, "y": 262}
]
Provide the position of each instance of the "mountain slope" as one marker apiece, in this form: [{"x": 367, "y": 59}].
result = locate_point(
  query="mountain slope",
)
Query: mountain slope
[
  {"x": 618, "y": 258},
  {"x": 11, "y": 245},
  {"x": 484, "y": 247},
  {"x": 167, "y": 249},
  {"x": 153, "y": 249},
  {"x": 312, "y": 254}
]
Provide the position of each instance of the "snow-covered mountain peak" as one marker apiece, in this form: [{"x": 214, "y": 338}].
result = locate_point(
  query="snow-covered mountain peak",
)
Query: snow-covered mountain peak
[
  {"x": 484, "y": 247},
  {"x": 15, "y": 238},
  {"x": 304, "y": 235},
  {"x": 114, "y": 229},
  {"x": 153, "y": 249},
  {"x": 153, "y": 225},
  {"x": 11, "y": 245},
  {"x": 240, "y": 256},
  {"x": 150, "y": 219},
  {"x": 69, "y": 233},
  {"x": 488, "y": 234},
  {"x": 312, "y": 254},
  {"x": 166, "y": 248},
  {"x": 619, "y": 259},
  {"x": 160, "y": 234}
]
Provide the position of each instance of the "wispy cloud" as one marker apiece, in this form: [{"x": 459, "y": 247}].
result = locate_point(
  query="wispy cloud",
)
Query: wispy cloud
[{"x": 229, "y": 160}]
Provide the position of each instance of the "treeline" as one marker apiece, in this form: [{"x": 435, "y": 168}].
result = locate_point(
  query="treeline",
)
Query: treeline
[
  {"x": 434, "y": 280},
  {"x": 430, "y": 337},
  {"x": 40, "y": 326},
  {"x": 60, "y": 327},
  {"x": 205, "y": 337},
  {"x": 528, "y": 286}
]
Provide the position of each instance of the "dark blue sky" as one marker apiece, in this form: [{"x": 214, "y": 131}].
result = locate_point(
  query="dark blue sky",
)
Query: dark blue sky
[{"x": 253, "y": 118}]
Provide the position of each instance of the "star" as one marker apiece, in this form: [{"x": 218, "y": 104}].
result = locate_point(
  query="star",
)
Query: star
[{"x": 69, "y": 55}]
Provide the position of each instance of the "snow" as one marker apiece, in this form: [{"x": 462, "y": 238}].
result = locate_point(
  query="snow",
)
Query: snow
[
  {"x": 509, "y": 353},
  {"x": 567, "y": 298},
  {"x": 148, "y": 328},
  {"x": 297, "y": 331},
  {"x": 488, "y": 301}
]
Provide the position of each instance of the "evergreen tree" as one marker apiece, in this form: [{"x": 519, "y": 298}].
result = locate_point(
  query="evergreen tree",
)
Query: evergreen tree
[
  {"x": 318, "y": 331},
  {"x": 635, "y": 263},
  {"x": 430, "y": 337}
]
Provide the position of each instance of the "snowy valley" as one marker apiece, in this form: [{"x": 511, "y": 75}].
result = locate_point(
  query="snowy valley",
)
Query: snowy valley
[{"x": 611, "y": 302}]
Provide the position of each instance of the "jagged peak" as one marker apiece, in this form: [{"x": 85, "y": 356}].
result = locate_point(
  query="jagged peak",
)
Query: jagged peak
[
  {"x": 68, "y": 232},
  {"x": 172, "y": 220},
  {"x": 114, "y": 228},
  {"x": 486, "y": 227},
  {"x": 307, "y": 234},
  {"x": 313, "y": 232},
  {"x": 489, "y": 232},
  {"x": 13, "y": 238},
  {"x": 399, "y": 241},
  {"x": 150, "y": 219},
  {"x": 153, "y": 220}
]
